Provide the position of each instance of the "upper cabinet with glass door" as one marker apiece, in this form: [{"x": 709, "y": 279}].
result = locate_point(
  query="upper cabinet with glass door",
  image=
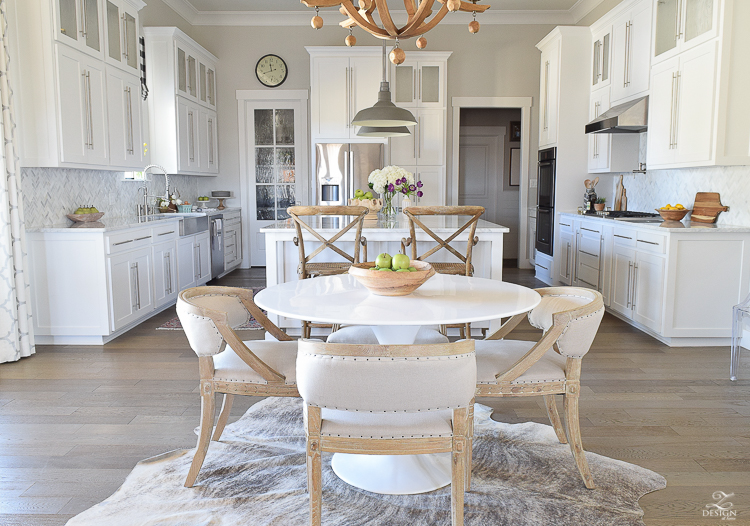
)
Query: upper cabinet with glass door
[
  {"x": 121, "y": 33},
  {"x": 420, "y": 81},
  {"x": 601, "y": 57},
  {"x": 195, "y": 73},
  {"x": 682, "y": 24},
  {"x": 79, "y": 26}
]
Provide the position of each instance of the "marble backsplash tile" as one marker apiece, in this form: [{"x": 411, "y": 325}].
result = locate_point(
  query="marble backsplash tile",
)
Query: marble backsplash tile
[
  {"x": 658, "y": 188},
  {"x": 50, "y": 193}
]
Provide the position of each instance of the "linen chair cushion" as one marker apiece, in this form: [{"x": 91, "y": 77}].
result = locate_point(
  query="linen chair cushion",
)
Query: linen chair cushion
[
  {"x": 577, "y": 337},
  {"x": 364, "y": 335},
  {"x": 201, "y": 331},
  {"x": 356, "y": 424},
  {"x": 385, "y": 383},
  {"x": 498, "y": 356},
  {"x": 280, "y": 356}
]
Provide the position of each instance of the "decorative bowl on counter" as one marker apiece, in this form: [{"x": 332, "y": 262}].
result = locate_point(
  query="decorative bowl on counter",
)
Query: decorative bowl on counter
[
  {"x": 383, "y": 283},
  {"x": 673, "y": 215},
  {"x": 373, "y": 206},
  {"x": 85, "y": 218}
]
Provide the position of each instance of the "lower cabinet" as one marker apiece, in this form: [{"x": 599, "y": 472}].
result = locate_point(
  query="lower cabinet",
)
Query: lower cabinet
[
  {"x": 165, "y": 272},
  {"x": 638, "y": 286},
  {"x": 194, "y": 256},
  {"x": 232, "y": 242},
  {"x": 129, "y": 276}
]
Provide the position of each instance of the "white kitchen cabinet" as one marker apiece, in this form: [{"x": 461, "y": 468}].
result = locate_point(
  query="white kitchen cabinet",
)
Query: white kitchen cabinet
[
  {"x": 599, "y": 143},
  {"x": 125, "y": 119},
  {"x": 550, "y": 86},
  {"x": 194, "y": 257},
  {"x": 425, "y": 145},
  {"x": 79, "y": 23},
  {"x": 420, "y": 82},
  {"x": 648, "y": 289},
  {"x": 208, "y": 141},
  {"x": 433, "y": 179},
  {"x": 601, "y": 63},
  {"x": 683, "y": 24},
  {"x": 129, "y": 277},
  {"x": 61, "y": 91},
  {"x": 232, "y": 241},
  {"x": 164, "y": 257},
  {"x": 83, "y": 110},
  {"x": 566, "y": 250},
  {"x": 631, "y": 52},
  {"x": 682, "y": 109},
  {"x": 344, "y": 81},
  {"x": 121, "y": 35},
  {"x": 182, "y": 103},
  {"x": 622, "y": 275},
  {"x": 531, "y": 238}
]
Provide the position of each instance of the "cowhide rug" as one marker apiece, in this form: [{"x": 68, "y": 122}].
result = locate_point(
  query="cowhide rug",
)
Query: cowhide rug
[{"x": 256, "y": 476}]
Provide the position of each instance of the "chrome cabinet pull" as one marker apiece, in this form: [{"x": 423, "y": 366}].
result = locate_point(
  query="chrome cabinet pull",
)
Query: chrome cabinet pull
[
  {"x": 567, "y": 262},
  {"x": 630, "y": 269},
  {"x": 622, "y": 237},
  {"x": 83, "y": 30},
  {"x": 210, "y": 141},
  {"x": 635, "y": 280},
  {"x": 191, "y": 139},
  {"x": 626, "y": 72},
  {"x": 142, "y": 238},
  {"x": 137, "y": 286},
  {"x": 671, "y": 114},
  {"x": 129, "y": 102},
  {"x": 91, "y": 110},
  {"x": 167, "y": 274},
  {"x": 545, "y": 116},
  {"x": 415, "y": 84},
  {"x": 649, "y": 242},
  {"x": 676, "y": 107},
  {"x": 679, "y": 20},
  {"x": 419, "y": 87},
  {"x": 86, "y": 108},
  {"x": 124, "y": 37},
  {"x": 122, "y": 242}
]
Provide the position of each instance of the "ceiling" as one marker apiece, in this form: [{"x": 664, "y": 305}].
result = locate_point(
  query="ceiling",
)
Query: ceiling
[
  {"x": 294, "y": 13},
  {"x": 295, "y": 5}
]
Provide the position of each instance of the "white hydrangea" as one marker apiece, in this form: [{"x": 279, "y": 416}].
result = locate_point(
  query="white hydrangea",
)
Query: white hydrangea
[{"x": 382, "y": 179}]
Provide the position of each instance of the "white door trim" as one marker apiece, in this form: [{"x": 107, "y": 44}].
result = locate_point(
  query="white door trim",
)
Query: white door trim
[
  {"x": 252, "y": 97},
  {"x": 524, "y": 103}
]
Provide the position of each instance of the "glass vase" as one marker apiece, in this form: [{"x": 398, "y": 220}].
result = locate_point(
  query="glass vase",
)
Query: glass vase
[{"x": 388, "y": 211}]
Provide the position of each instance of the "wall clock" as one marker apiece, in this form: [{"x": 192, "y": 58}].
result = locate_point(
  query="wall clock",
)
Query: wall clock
[{"x": 271, "y": 70}]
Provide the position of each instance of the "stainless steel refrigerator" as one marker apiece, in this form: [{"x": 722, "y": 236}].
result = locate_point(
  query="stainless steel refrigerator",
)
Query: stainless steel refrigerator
[{"x": 340, "y": 169}]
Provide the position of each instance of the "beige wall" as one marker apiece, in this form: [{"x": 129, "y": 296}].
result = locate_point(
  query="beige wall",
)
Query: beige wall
[
  {"x": 599, "y": 11},
  {"x": 498, "y": 61}
]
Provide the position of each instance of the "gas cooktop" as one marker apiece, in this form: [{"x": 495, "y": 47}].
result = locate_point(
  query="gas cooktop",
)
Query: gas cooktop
[{"x": 616, "y": 214}]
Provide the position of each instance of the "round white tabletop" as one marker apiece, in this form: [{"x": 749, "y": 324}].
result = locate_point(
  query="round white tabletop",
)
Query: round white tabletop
[{"x": 442, "y": 300}]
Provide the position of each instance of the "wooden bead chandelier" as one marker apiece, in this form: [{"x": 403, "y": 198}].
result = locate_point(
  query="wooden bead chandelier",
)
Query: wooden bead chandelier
[{"x": 417, "y": 24}]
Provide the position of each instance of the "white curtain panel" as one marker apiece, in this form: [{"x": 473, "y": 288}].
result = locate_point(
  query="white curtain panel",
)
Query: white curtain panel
[{"x": 16, "y": 334}]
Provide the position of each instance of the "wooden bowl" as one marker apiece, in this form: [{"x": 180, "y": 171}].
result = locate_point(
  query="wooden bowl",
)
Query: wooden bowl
[
  {"x": 373, "y": 206},
  {"x": 673, "y": 215},
  {"x": 383, "y": 283},
  {"x": 85, "y": 218}
]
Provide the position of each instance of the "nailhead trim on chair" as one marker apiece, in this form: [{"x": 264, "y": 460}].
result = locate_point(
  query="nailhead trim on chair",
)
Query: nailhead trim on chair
[
  {"x": 203, "y": 318},
  {"x": 568, "y": 325}
]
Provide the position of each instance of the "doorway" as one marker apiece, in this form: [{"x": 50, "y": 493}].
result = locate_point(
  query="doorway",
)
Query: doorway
[{"x": 494, "y": 134}]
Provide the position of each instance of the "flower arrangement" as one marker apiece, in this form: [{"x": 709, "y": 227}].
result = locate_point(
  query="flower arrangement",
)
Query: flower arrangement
[{"x": 392, "y": 180}]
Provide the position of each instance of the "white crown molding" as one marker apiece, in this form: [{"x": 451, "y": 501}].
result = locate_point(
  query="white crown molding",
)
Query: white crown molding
[{"x": 331, "y": 17}]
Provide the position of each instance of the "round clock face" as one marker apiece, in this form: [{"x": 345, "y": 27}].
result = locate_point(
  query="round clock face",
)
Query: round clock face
[{"x": 271, "y": 71}]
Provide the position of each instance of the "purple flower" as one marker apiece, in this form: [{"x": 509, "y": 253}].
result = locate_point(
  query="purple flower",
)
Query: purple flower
[
  {"x": 398, "y": 181},
  {"x": 420, "y": 194},
  {"x": 412, "y": 187},
  {"x": 404, "y": 191},
  {"x": 419, "y": 184},
  {"x": 391, "y": 187}
]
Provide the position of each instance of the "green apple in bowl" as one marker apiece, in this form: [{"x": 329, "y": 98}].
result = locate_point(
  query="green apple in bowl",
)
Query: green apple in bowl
[
  {"x": 368, "y": 195},
  {"x": 400, "y": 261},
  {"x": 359, "y": 194},
  {"x": 383, "y": 260}
]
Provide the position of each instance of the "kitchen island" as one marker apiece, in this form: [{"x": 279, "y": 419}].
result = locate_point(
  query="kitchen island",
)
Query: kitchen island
[{"x": 282, "y": 256}]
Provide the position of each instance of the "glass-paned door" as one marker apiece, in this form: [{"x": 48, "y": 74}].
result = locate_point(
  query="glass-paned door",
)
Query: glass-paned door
[{"x": 276, "y": 173}]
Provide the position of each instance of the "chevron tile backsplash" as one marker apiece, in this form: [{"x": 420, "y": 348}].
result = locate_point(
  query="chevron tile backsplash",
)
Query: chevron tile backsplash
[
  {"x": 657, "y": 188},
  {"x": 50, "y": 193}
]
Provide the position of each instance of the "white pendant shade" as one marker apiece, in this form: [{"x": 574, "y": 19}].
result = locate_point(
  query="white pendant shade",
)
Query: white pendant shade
[{"x": 391, "y": 131}]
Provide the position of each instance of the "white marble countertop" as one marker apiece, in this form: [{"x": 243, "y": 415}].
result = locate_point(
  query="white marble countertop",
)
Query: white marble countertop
[
  {"x": 113, "y": 224},
  {"x": 664, "y": 226},
  {"x": 436, "y": 223}
]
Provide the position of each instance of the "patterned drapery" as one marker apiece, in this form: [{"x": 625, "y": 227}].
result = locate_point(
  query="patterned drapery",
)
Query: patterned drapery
[{"x": 16, "y": 330}]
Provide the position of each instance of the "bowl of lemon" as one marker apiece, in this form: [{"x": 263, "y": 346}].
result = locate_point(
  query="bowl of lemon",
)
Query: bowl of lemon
[
  {"x": 392, "y": 276},
  {"x": 673, "y": 213}
]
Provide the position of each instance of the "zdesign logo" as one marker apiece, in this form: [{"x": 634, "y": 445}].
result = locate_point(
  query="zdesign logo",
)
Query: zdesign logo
[{"x": 721, "y": 508}]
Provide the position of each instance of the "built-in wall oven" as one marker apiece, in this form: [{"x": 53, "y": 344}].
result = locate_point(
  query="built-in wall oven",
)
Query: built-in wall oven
[{"x": 545, "y": 211}]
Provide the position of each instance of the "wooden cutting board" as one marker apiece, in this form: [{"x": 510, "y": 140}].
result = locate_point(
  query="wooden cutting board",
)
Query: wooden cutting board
[
  {"x": 618, "y": 194},
  {"x": 707, "y": 207}
]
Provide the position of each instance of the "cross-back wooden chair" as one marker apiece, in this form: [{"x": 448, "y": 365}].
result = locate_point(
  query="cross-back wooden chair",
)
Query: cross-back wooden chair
[
  {"x": 309, "y": 269},
  {"x": 356, "y": 396},
  {"x": 227, "y": 364},
  {"x": 465, "y": 267},
  {"x": 570, "y": 318}
]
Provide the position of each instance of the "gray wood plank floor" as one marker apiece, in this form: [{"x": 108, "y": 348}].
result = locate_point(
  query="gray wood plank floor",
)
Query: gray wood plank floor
[{"x": 75, "y": 420}]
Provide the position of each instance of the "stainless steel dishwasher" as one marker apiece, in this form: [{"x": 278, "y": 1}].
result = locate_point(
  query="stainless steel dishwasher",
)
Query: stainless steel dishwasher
[{"x": 217, "y": 244}]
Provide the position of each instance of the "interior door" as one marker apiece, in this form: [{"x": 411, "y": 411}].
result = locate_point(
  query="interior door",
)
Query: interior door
[{"x": 479, "y": 171}]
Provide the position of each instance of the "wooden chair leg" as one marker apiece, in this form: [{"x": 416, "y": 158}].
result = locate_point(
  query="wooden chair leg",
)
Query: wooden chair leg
[
  {"x": 335, "y": 327},
  {"x": 570, "y": 404},
  {"x": 226, "y": 408},
  {"x": 458, "y": 466},
  {"x": 554, "y": 417},
  {"x": 470, "y": 445},
  {"x": 314, "y": 464},
  {"x": 443, "y": 329},
  {"x": 467, "y": 330},
  {"x": 208, "y": 407}
]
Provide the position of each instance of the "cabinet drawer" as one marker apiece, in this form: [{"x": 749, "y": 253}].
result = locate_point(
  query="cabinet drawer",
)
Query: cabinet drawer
[
  {"x": 590, "y": 245},
  {"x": 588, "y": 275},
  {"x": 165, "y": 232},
  {"x": 566, "y": 225},
  {"x": 590, "y": 226},
  {"x": 648, "y": 242},
  {"x": 624, "y": 237},
  {"x": 588, "y": 260},
  {"x": 128, "y": 240}
]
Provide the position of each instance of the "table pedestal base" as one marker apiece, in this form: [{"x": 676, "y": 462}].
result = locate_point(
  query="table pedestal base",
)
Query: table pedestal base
[{"x": 394, "y": 474}]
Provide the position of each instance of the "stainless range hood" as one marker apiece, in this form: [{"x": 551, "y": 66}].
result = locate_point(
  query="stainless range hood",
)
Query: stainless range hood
[{"x": 631, "y": 117}]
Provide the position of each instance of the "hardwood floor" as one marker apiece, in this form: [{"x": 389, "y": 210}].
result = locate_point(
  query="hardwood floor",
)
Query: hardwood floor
[{"x": 75, "y": 420}]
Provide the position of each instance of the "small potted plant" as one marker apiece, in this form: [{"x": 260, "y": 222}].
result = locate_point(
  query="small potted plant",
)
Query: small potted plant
[{"x": 599, "y": 205}]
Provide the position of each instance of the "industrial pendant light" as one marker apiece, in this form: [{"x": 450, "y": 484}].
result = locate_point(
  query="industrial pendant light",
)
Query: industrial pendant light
[{"x": 384, "y": 115}]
